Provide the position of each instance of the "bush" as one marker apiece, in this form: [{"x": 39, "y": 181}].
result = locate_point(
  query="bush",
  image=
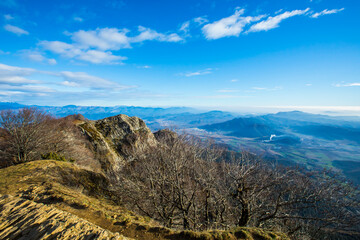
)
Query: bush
[{"x": 55, "y": 156}]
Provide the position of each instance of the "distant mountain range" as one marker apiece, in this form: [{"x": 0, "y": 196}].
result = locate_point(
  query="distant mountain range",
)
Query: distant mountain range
[
  {"x": 291, "y": 124},
  {"x": 311, "y": 140},
  {"x": 156, "y": 118},
  {"x": 295, "y": 137}
]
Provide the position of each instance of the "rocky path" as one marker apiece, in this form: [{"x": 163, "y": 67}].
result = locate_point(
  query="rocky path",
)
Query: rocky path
[{"x": 27, "y": 220}]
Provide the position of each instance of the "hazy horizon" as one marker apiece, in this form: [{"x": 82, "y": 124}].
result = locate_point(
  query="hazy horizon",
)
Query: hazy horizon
[{"x": 256, "y": 110}]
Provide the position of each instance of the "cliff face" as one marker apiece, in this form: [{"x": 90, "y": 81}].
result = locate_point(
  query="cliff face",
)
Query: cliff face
[{"x": 115, "y": 139}]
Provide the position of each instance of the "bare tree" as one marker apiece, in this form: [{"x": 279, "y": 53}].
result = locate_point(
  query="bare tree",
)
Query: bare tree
[
  {"x": 172, "y": 183},
  {"x": 296, "y": 201},
  {"x": 191, "y": 184},
  {"x": 24, "y": 133},
  {"x": 29, "y": 134}
]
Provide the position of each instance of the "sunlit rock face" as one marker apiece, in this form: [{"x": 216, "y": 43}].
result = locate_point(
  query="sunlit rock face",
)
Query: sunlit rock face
[{"x": 115, "y": 139}]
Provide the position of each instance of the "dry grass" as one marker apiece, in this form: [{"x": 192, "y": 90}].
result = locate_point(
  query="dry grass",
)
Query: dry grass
[{"x": 85, "y": 194}]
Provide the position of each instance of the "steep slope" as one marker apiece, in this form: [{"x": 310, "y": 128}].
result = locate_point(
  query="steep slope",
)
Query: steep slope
[
  {"x": 24, "y": 219},
  {"x": 77, "y": 201}
]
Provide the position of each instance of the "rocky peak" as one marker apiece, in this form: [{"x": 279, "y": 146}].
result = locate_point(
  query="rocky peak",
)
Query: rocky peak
[
  {"x": 115, "y": 139},
  {"x": 122, "y": 129},
  {"x": 165, "y": 135}
]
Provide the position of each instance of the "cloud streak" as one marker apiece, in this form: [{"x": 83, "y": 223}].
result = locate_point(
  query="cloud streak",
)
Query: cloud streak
[
  {"x": 8, "y": 17},
  {"x": 227, "y": 91},
  {"x": 356, "y": 84},
  {"x": 238, "y": 23},
  {"x": 229, "y": 26},
  {"x": 273, "y": 22},
  {"x": 327, "y": 12},
  {"x": 16, "y": 30},
  {"x": 198, "y": 73},
  {"x": 15, "y": 81},
  {"x": 82, "y": 79}
]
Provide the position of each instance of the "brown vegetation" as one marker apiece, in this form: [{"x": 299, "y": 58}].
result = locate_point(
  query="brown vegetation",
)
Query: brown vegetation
[
  {"x": 82, "y": 193},
  {"x": 30, "y": 134},
  {"x": 187, "y": 183}
]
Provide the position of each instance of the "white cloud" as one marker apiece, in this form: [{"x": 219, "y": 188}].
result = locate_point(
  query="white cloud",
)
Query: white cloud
[
  {"x": 26, "y": 88},
  {"x": 279, "y": 11},
  {"x": 222, "y": 97},
  {"x": 102, "y": 39},
  {"x": 77, "y": 52},
  {"x": 33, "y": 55},
  {"x": 259, "y": 88},
  {"x": 8, "y": 17},
  {"x": 10, "y": 70},
  {"x": 97, "y": 46},
  {"x": 14, "y": 29},
  {"x": 234, "y": 80},
  {"x": 327, "y": 12},
  {"x": 95, "y": 56},
  {"x": 14, "y": 82},
  {"x": 356, "y": 84},
  {"x": 145, "y": 67},
  {"x": 185, "y": 27},
  {"x": 273, "y": 22},
  {"x": 149, "y": 34},
  {"x": 198, "y": 73},
  {"x": 9, "y": 94},
  {"x": 37, "y": 56},
  {"x": 83, "y": 79},
  {"x": 200, "y": 20},
  {"x": 62, "y": 48},
  {"x": 78, "y": 19},
  {"x": 227, "y": 91},
  {"x": 15, "y": 75},
  {"x": 51, "y": 61},
  {"x": 267, "y": 89},
  {"x": 229, "y": 26},
  {"x": 194, "y": 23}
]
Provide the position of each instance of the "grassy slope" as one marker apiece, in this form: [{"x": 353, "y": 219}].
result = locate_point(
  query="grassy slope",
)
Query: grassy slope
[{"x": 83, "y": 193}]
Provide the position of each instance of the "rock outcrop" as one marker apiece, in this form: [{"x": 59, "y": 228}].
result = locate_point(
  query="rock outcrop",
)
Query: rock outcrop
[
  {"x": 165, "y": 134},
  {"x": 24, "y": 219},
  {"x": 115, "y": 139}
]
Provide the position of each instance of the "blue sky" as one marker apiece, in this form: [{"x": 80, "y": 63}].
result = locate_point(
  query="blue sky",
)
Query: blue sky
[{"x": 216, "y": 54}]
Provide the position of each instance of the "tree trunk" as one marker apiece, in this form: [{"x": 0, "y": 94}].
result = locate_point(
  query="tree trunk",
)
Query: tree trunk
[{"x": 245, "y": 216}]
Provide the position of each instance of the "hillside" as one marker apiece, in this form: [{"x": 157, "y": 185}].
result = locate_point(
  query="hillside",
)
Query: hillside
[
  {"x": 313, "y": 141},
  {"x": 59, "y": 199},
  {"x": 117, "y": 176},
  {"x": 244, "y": 127},
  {"x": 26, "y": 219},
  {"x": 54, "y": 197}
]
